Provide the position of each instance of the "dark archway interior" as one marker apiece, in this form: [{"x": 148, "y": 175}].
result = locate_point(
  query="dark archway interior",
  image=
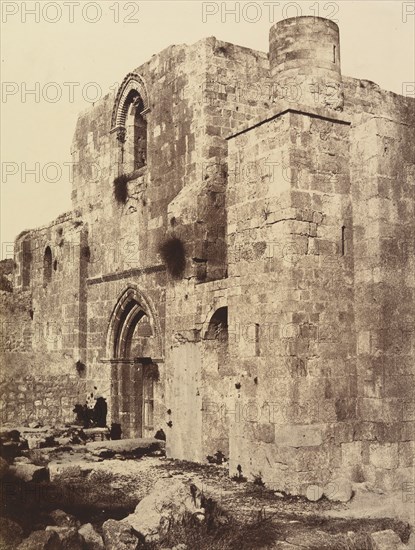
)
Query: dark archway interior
[{"x": 218, "y": 325}]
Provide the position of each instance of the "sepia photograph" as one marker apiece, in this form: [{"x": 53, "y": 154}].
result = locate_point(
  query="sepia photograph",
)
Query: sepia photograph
[{"x": 207, "y": 275}]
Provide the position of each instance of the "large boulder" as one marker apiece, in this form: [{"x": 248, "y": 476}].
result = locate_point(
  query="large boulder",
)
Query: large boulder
[
  {"x": 128, "y": 448},
  {"x": 120, "y": 536},
  {"x": 11, "y": 534},
  {"x": 41, "y": 540},
  {"x": 92, "y": 539},
  {"x": 29, "y": 472},
  {"x": 339, "y": 490},
  {"x": 170, "y": 502},
  {"x": 69, "y": 537},
  {"x": 314, "y": 493},
  {"x": 386, "y": 540}
]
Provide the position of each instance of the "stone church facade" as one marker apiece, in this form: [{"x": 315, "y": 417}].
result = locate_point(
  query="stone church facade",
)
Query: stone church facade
[{"x": 237, "y": 268}]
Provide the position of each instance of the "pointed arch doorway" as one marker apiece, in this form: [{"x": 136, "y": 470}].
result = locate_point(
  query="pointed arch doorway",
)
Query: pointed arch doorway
[{"x": 134, "y": 348}]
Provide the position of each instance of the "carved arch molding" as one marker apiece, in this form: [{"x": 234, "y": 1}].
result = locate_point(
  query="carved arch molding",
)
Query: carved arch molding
[{"x": 133, "y": 82}]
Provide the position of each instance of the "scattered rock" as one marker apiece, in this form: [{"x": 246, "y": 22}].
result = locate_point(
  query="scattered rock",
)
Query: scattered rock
[
  {"x": 169, "y": 502},
  {"x": 62, "y": 519},
  {"x": 134, "y": 448},
  {"x": 314, "y": 493},
  {"x": 93, "y": 541},
  {"x": 41, "y": 540},
  {"x": 23, "y": 459},
  {"x": 120, "y": 536},
  {"x": 29, "y": 472},
  {"x": 34, "y": 425},
  {"x": 386, "y": 540},
  {"x": 69, "y": 537},
  {"x": 11, "y": 534},
  {"x": 63, "y": 441},
  {"x": 339, "y": 490}
]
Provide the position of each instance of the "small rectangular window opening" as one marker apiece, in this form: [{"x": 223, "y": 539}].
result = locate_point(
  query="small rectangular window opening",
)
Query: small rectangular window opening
[
  {"x": 334, "y": 54},
  {"x": 257, "y": 348}
]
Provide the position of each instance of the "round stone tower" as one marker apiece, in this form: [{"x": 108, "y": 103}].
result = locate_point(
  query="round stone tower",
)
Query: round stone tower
[{"x": 304, "y": 54}]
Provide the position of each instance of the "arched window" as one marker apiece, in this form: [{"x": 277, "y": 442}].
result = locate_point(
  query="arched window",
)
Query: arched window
[
  {"x": 135, "y": 146},
  {"x": 130, "y": 124},
  {"x": 47, "y": 266}
]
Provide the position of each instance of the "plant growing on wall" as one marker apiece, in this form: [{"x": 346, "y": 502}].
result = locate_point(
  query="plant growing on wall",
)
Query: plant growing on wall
[
  {"x": 120, "y": 188},
  {"x": 173, "y": 255}
]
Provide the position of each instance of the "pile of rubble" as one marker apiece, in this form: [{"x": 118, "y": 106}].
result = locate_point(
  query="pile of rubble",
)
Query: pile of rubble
[
  {"x": 89, "y": 460},
  {"x": 170, "y": 502}
]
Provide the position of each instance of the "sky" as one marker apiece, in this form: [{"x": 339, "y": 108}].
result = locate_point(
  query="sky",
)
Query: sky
[{"x": 58, "y": 58}]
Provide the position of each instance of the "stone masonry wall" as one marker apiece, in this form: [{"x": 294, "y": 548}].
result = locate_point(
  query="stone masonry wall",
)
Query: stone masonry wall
[
  {"x": 34, "y": 386},
  {"x": 383, "y": 199},
  {"x": 297, "y": 383}
]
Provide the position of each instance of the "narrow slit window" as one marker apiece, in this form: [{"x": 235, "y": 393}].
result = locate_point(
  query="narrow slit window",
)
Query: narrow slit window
[
  {"x": 334, "y": 54},
  {"x": 343, "y": 243},
  {"x": 47, "y": 266}
]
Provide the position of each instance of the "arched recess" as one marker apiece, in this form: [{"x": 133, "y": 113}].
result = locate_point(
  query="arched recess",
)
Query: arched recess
[
  {"x": 216, "y": 376},
  {"x": 219, "y": 309},
  {"x": 218, "y": 325},
  {"x": 131, "y": 307},
  {"x": 134, "y": 346}
]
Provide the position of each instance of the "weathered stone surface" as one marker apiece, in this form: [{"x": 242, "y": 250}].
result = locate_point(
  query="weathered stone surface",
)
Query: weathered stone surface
[
  {"x": 41, "y": 540},
  {"x": 120, "y": 536},
  {"x": 126, "y": 447},
  {"x": 298, "y": 436},
  {"x": 386, "y": 540},
  {"x": 384, "y": 455},
  {"x": 314, "y": 493},
  {"x": 93, "y": 540},
  {"x": 339, "y": 490},
  {"x": 22, "y": 459},
  {"x": 11, "y": 534},
  {"x": 29, "y": 472},
  {"x": 313, "y": 539},
  {"x": 69, "y": 537},
  {"x": 169, "y": 502}
]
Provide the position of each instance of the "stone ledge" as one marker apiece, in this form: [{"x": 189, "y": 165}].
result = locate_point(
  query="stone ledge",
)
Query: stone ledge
[{"x": 284, "y": 108}]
